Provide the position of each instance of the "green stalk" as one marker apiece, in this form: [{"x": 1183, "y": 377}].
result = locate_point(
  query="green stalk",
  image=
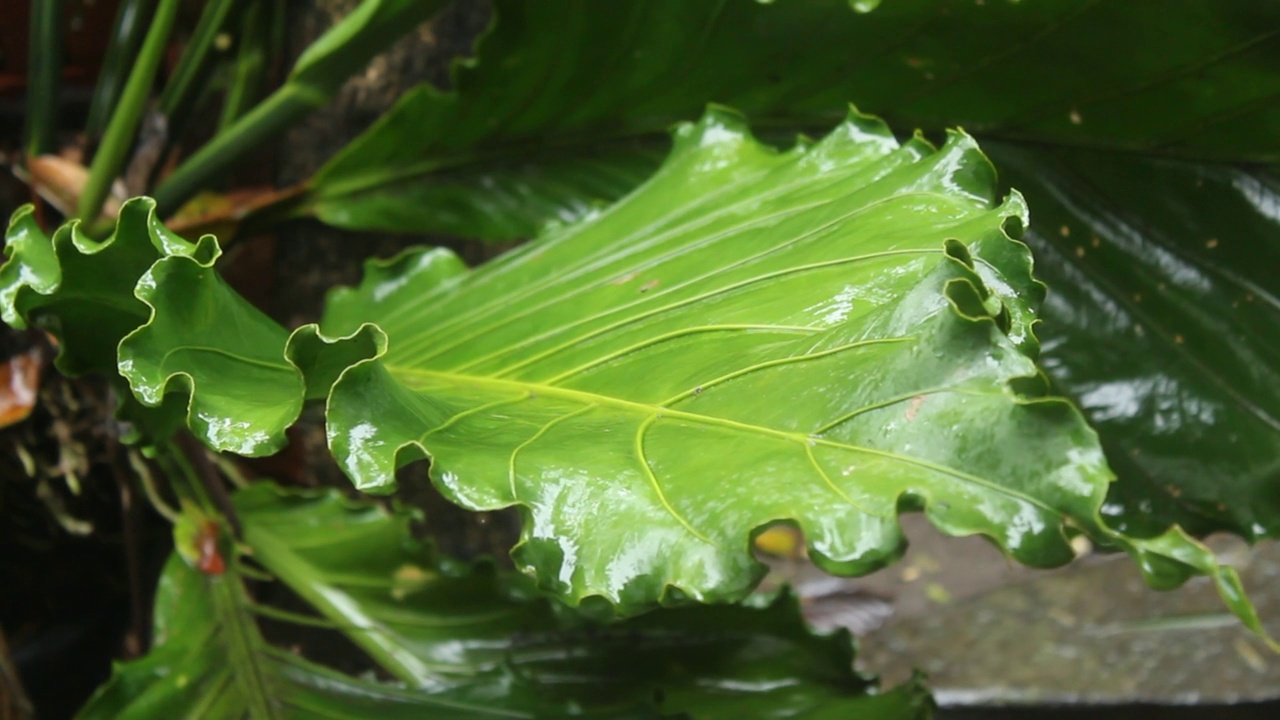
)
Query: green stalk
[
  {"x": 243, "y": 642},
  {"x": 272, "y": 116},
  {"x": 364, "y": 631},
  {"x": 320, "y": 71},
  {"x": 249, "y": 70},
  {"x": 110, "y": 157},
  {"x": 43, "y": 76},
  {"x": 126, "y": 35},
  {"x": 181, "y": 89}
]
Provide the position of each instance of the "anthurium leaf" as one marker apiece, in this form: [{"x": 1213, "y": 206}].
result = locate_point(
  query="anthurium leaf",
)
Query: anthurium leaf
[
  {"x": 752, "y": 336},
  {"x": 442, "y": 625},
  {"x": 1164, "y": 323},
  {"x": 81, "y": 289},
  {"x": 518, "y": 142}
]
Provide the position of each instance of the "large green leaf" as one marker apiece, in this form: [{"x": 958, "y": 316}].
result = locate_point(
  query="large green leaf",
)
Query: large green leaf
[
  {"x": 1136, "y": 78},
  {"x": 521, "y": 141},
  {"x": 824, "y": 336},
  {"x": 467, "y": 643},
  {"x": 807, "y": 327}
]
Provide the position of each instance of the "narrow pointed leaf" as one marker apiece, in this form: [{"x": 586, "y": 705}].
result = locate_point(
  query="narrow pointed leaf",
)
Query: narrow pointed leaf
[
  {"x": 210, "y": 662},
  {"x": 316, "y": 76}
]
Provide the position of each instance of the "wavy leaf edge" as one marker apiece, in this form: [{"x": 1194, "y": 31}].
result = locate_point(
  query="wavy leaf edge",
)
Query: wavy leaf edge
[{"x": 315, "y": 358}]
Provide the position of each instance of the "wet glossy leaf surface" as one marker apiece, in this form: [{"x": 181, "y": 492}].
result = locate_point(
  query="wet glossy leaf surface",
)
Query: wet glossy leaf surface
[
  {"x": 467, "y": 642},
  {"x": 1140, "y": 80},
  {"x": 750, "y": 337},
  {"x": 80, "y": 289},
  {"x": 826, "y": 336},
  {"x": 210, "y": 662},
  {"x": 1164, "y": 323},
  {"x": 567, "y": 103},
  {"x": 90, "y": 295}
]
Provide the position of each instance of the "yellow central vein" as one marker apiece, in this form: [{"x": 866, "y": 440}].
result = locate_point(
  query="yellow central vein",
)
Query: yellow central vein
[{"x": 653, "y": 412}]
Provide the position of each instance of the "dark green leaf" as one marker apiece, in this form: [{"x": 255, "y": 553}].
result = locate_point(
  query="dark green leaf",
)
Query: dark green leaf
[
  {"x": 445, "y": 626},
  {"x": 209, "y": 662},
  {"x": 469, "y": 643},
  {"x": 521, "y": 142},
  {"x": 1164, "y": 321}
]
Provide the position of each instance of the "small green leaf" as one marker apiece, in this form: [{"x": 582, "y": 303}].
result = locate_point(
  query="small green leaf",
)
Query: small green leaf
[
  {"x": 80, "y": 289},
  {"x": 200, "y": 334}
]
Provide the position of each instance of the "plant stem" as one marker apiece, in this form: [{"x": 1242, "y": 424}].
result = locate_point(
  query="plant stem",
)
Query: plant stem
[
  {"x": 320, "y": 71},
  {"x": 195, "y": 56},
  {"x": 249, "y": 68},
  {"x": 43, "y": 76},
  {"x": 128, "y": 113},
  {"x": 126, "y": 35},
  {"x": 283, "y": 562},
  {"x": 283, "y": 108},
  {"x": 197, "y": 460},
  {"x": 148, "y": 482}
]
